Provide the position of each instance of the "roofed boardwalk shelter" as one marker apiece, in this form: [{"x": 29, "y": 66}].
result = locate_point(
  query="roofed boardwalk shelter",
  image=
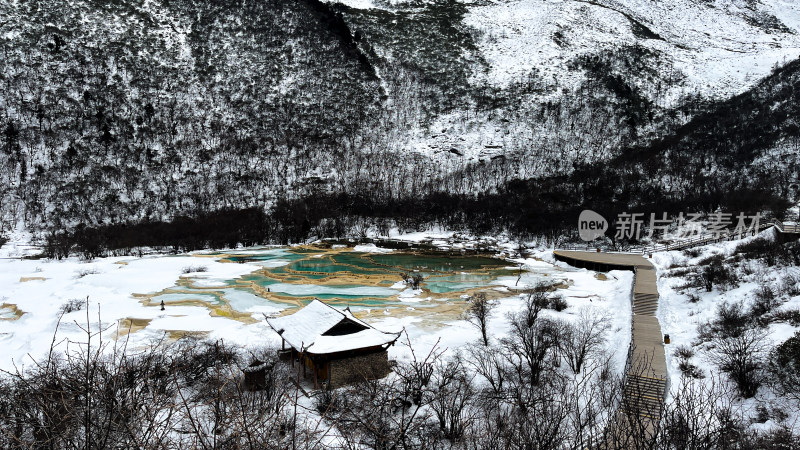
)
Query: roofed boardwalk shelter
[{"x": 333, "y": 345}]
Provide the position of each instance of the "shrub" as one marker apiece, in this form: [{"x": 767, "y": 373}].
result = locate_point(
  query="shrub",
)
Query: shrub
[
  {"x": 684, "y": 353},
  {"x": 784, "y": 367},
  {"x": 692, "y": 252},
  {"x": 790, "y": 286},
  {"x": 762, "y": 414},
  {"x": 198, "y": 358},
  {"x": 539, "y": 298},
  {"x": 690, "y": 370},
  {"x": 770, "y": 252},
  {"x": 193, "y": 269},
  {"x": 730, "y": 321},
  {"x": 326, "y": 400},
  {"x": 413, "y": 281},
  {"x": 776, "y": 438},
  {"x": 765, "y": 302},
  {"x": 75, "y": 304},
  {"x": 715, "y": 271},
  {"x": 83, "y": 272},
  {"x": 765, "y": 293},
  {"x": 558, "y": 303},
  {"x": 679, "y": 272},
  {"x": 742, "y": 357},
  {"x": 755, "y": 248},
  {"x": 791, "y": 317}
]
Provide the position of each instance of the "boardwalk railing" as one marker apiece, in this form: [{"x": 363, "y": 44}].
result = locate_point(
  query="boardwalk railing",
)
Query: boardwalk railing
[
  {"x": 703, "y": 240},
  {"x": 784, "y": 228},
  {"x": 629, "y": 360},
  {"x": 693, "y": 242}
]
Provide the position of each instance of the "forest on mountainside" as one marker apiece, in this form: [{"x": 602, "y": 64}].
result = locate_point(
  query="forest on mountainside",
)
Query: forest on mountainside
[{"x": 163, "y": 123}]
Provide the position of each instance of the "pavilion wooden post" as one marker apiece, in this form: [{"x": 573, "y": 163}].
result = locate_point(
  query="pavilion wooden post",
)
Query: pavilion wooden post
[
  {"x": 314, "y": 373},
  {"x": 298, "y": 365}
]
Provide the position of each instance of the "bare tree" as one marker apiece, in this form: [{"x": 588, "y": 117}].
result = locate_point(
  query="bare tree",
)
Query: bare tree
[
  {"x": 699, "y": 415},
  {"x": 452, "y": 399},
  {"x": 391, "y": 413},
  {"x": 90, "y": 396},
  {"x": 489, "y": 364},
  {"x": 190, "y": 395},
  {"x": 584, "y": 338},
  {"x": 784, "y": 367},
  {"x": 478, "y": 313},
  {"x": 414, "y": 281},
  {"x": 716, "y": 273},
  {"x": 531, "y": 341}
]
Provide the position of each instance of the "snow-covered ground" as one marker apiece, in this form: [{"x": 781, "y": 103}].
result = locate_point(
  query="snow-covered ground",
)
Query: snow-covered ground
[
  {"x": 586, "y": 291},
  {"x": 39, "y": 289},
  {"x": 681, "y": 309}
]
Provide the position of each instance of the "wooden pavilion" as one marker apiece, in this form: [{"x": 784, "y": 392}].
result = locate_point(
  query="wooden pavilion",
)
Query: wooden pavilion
[{"x": 333, "y": 345}]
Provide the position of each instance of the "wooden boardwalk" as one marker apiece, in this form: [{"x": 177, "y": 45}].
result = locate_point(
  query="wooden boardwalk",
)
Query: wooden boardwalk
[{"x": 646, "y": 372}]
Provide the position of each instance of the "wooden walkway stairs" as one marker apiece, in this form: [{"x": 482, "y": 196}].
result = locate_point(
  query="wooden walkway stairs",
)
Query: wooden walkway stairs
[
  {"x": 646, "y": 375},
  {"x": 636, "y": 422}
]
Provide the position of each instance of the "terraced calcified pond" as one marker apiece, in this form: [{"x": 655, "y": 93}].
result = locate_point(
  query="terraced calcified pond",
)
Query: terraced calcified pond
[{"x": 295, "y": 276}]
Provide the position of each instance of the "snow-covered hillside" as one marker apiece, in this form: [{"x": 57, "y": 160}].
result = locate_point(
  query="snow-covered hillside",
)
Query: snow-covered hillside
[
  {"x": 686, "y": 49},
  {"x": 757, "y": 290},
  {"x": 307, "y": 112},
  {"x": 718, "y": 48}
]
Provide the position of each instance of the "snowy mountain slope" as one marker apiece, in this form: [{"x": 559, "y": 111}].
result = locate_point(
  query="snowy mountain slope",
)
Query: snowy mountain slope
[
  {"x": 739, "y": 155},
  {"x": 523, "y": 54},
  {"x": 111, "y": 108},
  {"x": 129, "y": 111},
  {"x": 721, "y": 48}
]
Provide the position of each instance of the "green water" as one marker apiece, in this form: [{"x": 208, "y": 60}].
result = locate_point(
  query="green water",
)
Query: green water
[
  {"x": 435, "y": 263},
  {"x": 301, "y": 274}
]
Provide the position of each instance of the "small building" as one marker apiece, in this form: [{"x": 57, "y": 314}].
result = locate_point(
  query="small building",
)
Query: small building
[
  {"x": 333, "y": 346},
  {"x": 257, "y": 376}
]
